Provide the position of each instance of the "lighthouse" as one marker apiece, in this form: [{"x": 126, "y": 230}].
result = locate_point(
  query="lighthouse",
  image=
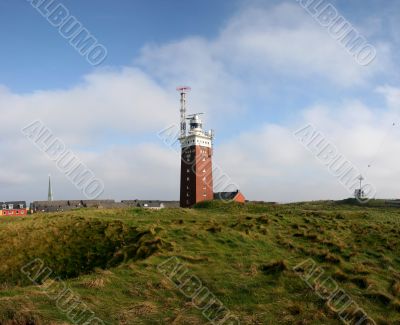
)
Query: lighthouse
[{"x": 196, "y": 157}]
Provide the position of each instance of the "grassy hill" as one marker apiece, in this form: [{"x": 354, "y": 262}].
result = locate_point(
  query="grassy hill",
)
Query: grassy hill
[{"x": 116, "y": 264}]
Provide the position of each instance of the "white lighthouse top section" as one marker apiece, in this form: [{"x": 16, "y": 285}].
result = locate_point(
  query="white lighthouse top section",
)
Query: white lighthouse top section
[
  {"x": 196, "y": 125},
  {"x": 197, "y": 136},
  {"x": 196, "y": 140}
]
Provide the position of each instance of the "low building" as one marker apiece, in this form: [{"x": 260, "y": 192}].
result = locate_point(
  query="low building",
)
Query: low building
[
  {"x": 55, "y": 206},
  {"x": 13, "y": 208},
  {"x": 230, "y": 196},
  {"x": 66, "y": 205},
  {"x": 100, "y": 204}
]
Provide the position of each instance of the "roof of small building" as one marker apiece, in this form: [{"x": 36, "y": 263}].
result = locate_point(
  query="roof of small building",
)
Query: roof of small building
[
  {"x": 225, "y": 195},
  {"x": 72, "y": 202},
  {"x": 58, "y": 203},
  {"x": 14, "y": 203}
]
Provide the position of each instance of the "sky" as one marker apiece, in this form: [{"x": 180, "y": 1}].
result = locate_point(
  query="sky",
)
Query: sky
[{"x": 259, "y": 70}]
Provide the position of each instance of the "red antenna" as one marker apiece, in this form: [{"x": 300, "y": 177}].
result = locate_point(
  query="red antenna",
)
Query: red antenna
[{"x": 183, "y": 91}]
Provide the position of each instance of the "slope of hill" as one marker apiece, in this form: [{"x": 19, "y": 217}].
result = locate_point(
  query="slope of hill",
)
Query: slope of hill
[{"x": 257, "y": 264}]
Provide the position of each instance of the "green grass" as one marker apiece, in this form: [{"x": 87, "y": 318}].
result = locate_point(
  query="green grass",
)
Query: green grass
[{"x": 243, "y": 254}]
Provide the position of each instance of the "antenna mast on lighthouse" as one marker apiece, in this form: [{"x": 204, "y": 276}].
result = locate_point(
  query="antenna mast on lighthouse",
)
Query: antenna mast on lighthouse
[{"x": 183, "y": 91}]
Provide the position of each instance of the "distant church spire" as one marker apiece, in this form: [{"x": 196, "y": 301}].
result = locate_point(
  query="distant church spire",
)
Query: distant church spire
[{"x": 50, "y": 192}]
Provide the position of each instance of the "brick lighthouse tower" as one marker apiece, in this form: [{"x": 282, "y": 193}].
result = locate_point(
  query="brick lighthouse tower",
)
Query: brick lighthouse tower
[{"x": 196, "y": 158}]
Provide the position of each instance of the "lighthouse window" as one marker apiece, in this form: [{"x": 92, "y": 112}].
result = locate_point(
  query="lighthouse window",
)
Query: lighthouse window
[
  {"x": 195, "y": 125},
  {"x": 187, "y": 179}
]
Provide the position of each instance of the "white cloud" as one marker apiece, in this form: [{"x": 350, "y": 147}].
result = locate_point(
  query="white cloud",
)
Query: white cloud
[
  {"x": 270, "y": 164},
  {"x": 282, "y": 39},
  {"x": 107, "y": 108},
  {"x": 285, "y": 39},
  {"x": 392, "y": 95},
  {"x": 123, "y": 102}
]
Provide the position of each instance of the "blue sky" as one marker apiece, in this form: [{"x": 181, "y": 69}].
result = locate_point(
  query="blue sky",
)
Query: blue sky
[
  {"x": 258, "y": 69},
  {"x": 36, "y": 57}
]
